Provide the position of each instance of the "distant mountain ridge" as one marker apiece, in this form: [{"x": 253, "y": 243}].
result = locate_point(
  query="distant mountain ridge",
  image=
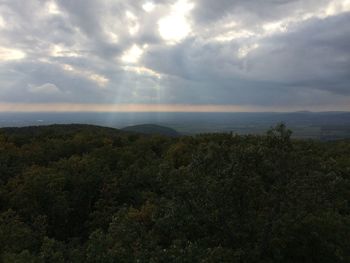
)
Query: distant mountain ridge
[
  {"x": 152, "y": 129},
  {"x": 62, "y": 129}
]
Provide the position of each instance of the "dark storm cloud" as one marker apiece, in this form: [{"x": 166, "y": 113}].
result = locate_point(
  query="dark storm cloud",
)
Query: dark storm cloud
[{"x": 246, "y": 52}]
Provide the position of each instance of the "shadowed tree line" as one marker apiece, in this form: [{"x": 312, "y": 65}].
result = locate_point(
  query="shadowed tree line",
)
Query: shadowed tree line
[{"x": 79, "y": 193}]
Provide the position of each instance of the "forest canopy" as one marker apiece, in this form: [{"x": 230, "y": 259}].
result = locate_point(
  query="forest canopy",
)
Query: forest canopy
[{"x": 80, "y": 193}]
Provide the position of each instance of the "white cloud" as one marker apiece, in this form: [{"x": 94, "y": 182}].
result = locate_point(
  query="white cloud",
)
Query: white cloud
[
  {"x": 245, "y": 50},
  {"x": 7, "y": 54},
  {"x": 61, "y": 51},
  {"x": 52, "y": 8},
  {"x": 133, "y": 23},
  {"x": 132, "y": 55},
  {"x": 112, "y": 37},
  {"x": 99, "y": 79},
  {"x": 234, "y": 34},
  {"x": 336, "y": 7},
  {"x": 274, "y": 27},
  {"x": 47, "y": 88},
  {"x": 2, "y": 22},
  {"x": 143, "y": 71},
  {"x": 176, "y": 26},
  {"x": 148, "y": 6}
]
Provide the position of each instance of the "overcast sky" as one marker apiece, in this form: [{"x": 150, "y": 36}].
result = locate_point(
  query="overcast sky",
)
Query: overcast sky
[{"x": 240, "y": 54}]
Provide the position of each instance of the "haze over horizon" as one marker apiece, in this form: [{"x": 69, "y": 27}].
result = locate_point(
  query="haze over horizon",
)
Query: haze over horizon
[{"x": 179, "y": 55}]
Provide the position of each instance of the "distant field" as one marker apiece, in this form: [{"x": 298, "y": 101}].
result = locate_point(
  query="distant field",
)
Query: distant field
[{"x": 322, "y": 125}]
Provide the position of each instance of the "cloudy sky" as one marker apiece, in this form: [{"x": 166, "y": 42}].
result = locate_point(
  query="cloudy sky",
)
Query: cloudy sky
[{"x": 236, "y": 55}]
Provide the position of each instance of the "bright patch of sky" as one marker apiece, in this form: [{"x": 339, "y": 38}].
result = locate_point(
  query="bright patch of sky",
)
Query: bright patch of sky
[
  {"x": 7, "y": 54},
  {"x": 176, "y": 26},
  {"x": 148, "y": 7},
  {"x": 132, "y": 55}
]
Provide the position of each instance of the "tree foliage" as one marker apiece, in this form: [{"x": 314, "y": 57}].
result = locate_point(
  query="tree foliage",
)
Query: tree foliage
[{"x": 88, "y": 194}]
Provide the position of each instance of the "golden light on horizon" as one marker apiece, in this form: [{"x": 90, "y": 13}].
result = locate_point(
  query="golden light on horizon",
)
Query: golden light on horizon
[{"x": 71, "y": 107}]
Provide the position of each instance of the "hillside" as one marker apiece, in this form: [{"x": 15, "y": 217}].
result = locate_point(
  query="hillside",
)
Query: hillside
[
  {"x": 57, "y": 130},
  {"x": 81, "y": 193},
  {"x": 152, "y": 129}
]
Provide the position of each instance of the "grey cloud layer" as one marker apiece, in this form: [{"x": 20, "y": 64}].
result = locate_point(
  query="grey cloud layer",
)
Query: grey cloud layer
[{"x": 244, "y": 52}]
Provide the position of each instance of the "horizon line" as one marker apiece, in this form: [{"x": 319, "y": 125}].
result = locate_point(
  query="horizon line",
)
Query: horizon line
[{"x": 111, "y": 108}]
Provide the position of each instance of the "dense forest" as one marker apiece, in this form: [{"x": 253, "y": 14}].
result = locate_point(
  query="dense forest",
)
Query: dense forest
[{"x": 79, "y": 193}]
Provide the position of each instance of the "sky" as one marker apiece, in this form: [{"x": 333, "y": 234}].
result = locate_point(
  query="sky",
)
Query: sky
[{"x": 174, "y": 55}]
